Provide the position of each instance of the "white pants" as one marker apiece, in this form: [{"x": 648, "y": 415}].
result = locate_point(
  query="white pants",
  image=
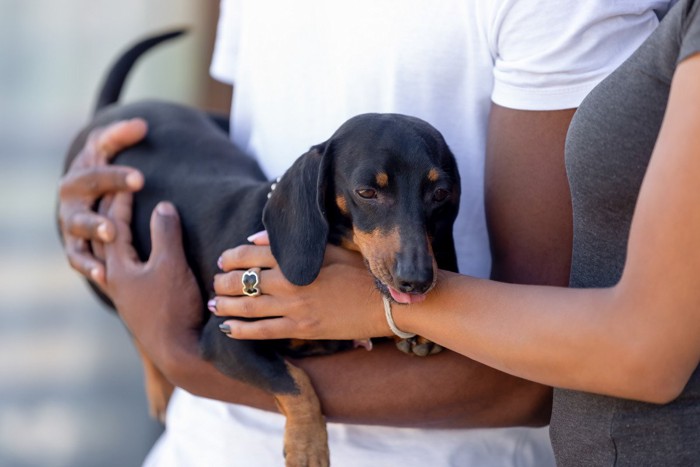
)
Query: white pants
[{"x": 208, "y": 433}]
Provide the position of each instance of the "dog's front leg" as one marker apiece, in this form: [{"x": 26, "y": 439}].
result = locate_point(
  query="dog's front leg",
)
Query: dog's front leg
[
  {"x": 305, "y": 435},
  {"x": 158, "y": 388}
]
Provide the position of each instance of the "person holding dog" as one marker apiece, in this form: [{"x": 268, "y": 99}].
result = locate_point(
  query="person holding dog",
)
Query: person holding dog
[
  {"x": 622, "y": 345},
  {"x": 535, "y": 69}
]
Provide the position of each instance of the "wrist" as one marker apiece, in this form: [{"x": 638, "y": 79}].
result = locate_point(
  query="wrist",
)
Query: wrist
[{"x": 388, "y": 314}]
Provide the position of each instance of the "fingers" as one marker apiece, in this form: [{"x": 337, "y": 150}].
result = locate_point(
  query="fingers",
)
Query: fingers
[
  {"x": 246, "y": 257},
  {"x": 119, "y": 208},
  {"x": 230, "y": 283},
  {"x": 81, "y": 259},
  {"x": 261, "y": 306},
  {"x": 260, "y": 238},
  {"x": 87, "y": 180},
  {"x": 78, "y": 192},
  {"x": 94, "y": 182},
  {"x": 104, "y": 143},
  {"x": 121, "y": 251},
  {"x": 260, "y": 330},
  {"x": 121, "y": 135},
  {"x": 89, "y": 226},
  {"x": 166, "y": 233}
]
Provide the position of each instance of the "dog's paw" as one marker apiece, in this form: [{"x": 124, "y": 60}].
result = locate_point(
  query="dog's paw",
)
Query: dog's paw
[
  {"x": 158, "y": 402},
  {"x": 419, "y": 346},
  {"x": 305, "y": 448},
  {"x": 158, "y": 392},
  {"x": 305, "y": 433}
]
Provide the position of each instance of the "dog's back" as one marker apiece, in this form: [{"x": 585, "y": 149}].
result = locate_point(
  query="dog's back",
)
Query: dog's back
[{"x": 188, "y": 159}]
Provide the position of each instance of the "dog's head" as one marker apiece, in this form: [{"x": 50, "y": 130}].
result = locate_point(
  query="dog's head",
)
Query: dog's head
[{"x": 386, "y": 185}]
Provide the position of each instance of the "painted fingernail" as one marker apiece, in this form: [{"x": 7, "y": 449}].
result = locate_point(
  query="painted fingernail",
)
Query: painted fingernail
[
  {"x": 256, "y": 235},
  {"x": 220, "y": 262},
  {"x": 211, "y": 304},
  {"x": 225, "y": 328}
]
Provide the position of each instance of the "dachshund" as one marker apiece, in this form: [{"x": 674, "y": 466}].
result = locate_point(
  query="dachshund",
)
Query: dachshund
[{"x": 385, "y": 185}]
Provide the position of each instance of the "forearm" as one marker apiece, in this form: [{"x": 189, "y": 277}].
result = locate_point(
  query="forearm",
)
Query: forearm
[
  {"x": 384, "y": 387},
  {"x": 181, "y": 363},
  {"x": 583, "y": 339},
  {"x": 447, "y": 390}
]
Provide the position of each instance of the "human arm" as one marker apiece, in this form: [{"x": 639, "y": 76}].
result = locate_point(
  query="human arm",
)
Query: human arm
[
  {"x": 640, "y": 338},
  {"x": 364, "y": 391},
  {"x": 169, "y": 330},
  {"x": 529, "y": 210},
  {"x": 528, "y": 204},
  {"x": 539, "y": 216}
]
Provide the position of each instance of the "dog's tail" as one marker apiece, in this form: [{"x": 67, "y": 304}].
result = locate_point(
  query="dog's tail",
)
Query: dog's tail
[{"x": 114, "y": 82}]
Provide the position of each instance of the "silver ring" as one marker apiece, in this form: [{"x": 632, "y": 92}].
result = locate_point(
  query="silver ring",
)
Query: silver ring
[{"x": 251, "y": 283}]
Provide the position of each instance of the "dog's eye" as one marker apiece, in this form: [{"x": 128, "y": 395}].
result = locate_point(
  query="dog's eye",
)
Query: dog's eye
[
  {"x": 366, "y": 193},
  {"x": 440, "y": 195}
]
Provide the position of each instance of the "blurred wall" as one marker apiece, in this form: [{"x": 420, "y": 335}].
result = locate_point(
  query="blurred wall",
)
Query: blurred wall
[{"x": 70, "y": 382}]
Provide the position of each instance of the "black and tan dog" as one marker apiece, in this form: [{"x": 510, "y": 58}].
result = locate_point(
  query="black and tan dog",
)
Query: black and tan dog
[{"x": 385, "y": 185}]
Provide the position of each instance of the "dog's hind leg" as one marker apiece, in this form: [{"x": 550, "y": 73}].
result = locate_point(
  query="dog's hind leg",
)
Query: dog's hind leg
[
  {"x": 305, "y": 435},
  {"x": 158, "y": 388}
]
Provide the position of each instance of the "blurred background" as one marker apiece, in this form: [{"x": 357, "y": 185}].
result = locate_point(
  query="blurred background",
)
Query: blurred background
[{"x": 71, "y": 390}]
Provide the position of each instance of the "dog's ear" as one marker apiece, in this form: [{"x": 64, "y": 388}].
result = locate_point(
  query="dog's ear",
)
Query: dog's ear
[
  {"x": 443, "y": 240},
  {"x": 295, "y": 217}
]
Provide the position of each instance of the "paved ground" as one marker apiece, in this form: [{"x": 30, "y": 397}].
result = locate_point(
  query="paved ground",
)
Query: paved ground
[{"x": 70, "y": 382}]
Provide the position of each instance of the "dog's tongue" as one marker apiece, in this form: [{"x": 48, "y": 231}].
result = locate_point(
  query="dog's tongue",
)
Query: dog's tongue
[{"x": 407, "y": 298}]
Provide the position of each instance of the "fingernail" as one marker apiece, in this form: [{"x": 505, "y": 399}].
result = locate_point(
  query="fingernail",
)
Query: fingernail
[
  {"x": 134, "y": 180},
  {"x": 95, "y": 274},
  {"x": 256, "y": 235},
  {"x": 102, "y": 232},
  {"x": 165, "y": 209},
  {"x": 211, "y": 304},
  {"x": 225, "y": 328},
  {"x": 220, "y": 262}
]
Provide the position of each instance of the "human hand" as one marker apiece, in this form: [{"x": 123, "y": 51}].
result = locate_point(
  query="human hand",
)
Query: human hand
[
  {"x": 158, "y": 300},
  {"x": 342, "y": 303},
  {"x": 89, "y": 178}
]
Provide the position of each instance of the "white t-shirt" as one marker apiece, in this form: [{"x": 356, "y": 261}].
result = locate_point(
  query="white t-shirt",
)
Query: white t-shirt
[{"x": 303, "y": 67}]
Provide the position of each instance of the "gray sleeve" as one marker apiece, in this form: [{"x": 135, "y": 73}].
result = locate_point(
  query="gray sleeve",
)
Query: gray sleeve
[{"x": 690, "y": 42}]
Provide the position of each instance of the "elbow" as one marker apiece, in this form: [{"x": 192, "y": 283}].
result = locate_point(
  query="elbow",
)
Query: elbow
[
  {"x": 661, "y": 392},
  {"x": 653, "y": 380}
]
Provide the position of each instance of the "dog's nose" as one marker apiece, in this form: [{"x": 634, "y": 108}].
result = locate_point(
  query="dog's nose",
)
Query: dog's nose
[
  {"x": 414, "y": 281},
  {"x": 417, "y": 287}
]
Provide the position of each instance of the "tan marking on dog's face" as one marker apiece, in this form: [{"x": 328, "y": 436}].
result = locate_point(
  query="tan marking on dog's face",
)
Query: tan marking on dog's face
[
  {"x": 380, "y": 250},
  {"x": 433, "y": 175},
  {"x": 342, "y": 204},
  {"x": 382, "y": 179},
  {"x": 349, "y": 245}
]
